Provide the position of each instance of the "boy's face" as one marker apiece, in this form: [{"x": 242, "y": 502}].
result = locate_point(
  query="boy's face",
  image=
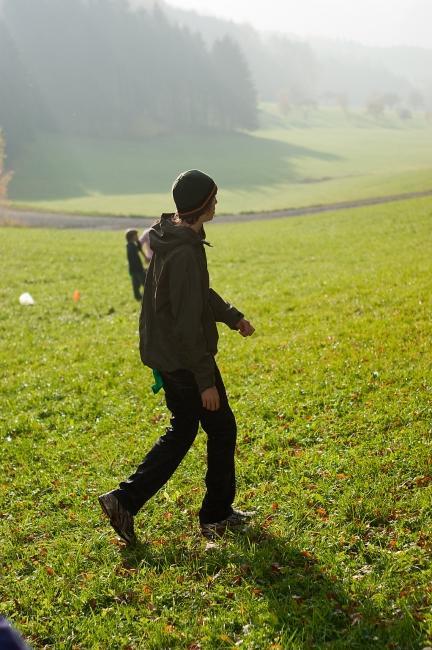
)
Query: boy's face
[{"x": 208, "y": 216}]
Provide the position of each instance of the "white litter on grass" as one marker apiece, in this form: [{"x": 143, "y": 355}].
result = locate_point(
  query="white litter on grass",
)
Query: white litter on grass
[{"x": 26, "y": 299}]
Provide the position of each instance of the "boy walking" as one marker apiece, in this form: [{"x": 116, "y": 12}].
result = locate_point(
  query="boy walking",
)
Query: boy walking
[
  {"x": 136, "y": 268},
  {"x": 178, "y": 338}
]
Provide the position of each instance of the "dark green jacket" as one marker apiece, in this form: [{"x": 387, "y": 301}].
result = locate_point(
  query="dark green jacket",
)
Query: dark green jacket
[{"x": 179, "y": 310}]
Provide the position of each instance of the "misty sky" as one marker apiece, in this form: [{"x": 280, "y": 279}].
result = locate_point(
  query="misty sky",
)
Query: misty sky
[{"x": 373, "y": 22}]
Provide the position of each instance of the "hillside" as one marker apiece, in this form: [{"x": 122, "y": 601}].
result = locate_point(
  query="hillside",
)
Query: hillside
[
  {"x": 303, "y": 158},
  {"x": 315, "y": 69}
]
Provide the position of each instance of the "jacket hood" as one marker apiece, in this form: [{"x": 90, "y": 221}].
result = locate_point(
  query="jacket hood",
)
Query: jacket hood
[{"x": 165, "y": 235}]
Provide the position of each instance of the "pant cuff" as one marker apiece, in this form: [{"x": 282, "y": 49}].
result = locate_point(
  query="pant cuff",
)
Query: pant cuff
[
  {"x": 126, "y": 502},
  {"x": 215, "y": 516}
]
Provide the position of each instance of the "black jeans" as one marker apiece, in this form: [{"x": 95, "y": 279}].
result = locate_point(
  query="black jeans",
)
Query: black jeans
[
  {"x": 138, "y": 281},
  {"x": 184, "y": 401}
]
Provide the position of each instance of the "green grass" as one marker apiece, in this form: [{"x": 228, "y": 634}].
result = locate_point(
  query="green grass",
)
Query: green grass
[
  {"x": 291, "y": 161},
  {"x": 333, "y": 401}
]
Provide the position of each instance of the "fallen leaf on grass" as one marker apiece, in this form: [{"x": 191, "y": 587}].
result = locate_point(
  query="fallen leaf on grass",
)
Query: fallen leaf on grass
[
  {"x": 86, "y": 576},
  {"x": 257, "y": 592},
  {"x": 308, "y": 555},
  {"x": 322, "y": 513},
  {"x": 424, "y": 541},
  {"x": 276, "y": 568},
  {"x": 406, "y": 592},
  {"x": 356, "y": 617},
  {"x": 394, "y": 515},
  {"x": 183, "y": 537},
  {"x": 49, "y": 570},
  {"x": 423, "y": 481},
  {"x": 267, "y": 521}
]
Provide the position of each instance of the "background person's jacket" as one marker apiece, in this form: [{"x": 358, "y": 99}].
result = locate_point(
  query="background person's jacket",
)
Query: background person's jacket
[
  {"x": 179, "y": 311},
  {"x": 133, "y": 255}
]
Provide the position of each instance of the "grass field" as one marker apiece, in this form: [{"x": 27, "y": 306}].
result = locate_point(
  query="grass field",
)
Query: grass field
[
  {"x": 333, "y": 401},
  {"x": 291, "y": 161}
]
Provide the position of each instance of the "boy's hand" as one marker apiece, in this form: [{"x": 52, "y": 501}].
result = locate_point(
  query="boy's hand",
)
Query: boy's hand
[
  {"x": 245, "y": 328},
  {"x": 210, "y": 399}
]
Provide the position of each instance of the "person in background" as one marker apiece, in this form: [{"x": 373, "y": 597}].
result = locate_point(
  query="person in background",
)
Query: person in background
[
  {"x": 144, "y": 240},
  {"x": 178, "y": 340},
  {"x": 137, "y": 271}
]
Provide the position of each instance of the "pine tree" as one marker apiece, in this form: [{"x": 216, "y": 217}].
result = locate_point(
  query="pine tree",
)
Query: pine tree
[{"x": 235, "y": 95}]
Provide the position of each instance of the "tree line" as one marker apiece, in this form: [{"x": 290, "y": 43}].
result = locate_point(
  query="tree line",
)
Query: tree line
[
  {"x": 296, "y": 73},
  {"x": 94, "y": 67}
]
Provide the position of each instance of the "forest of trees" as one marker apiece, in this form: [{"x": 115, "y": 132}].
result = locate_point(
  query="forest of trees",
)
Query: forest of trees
[
  {"x": 98, "y": 68},
  {"x": 93, "y": 67},
  {"x": 279, "y": 64},
  {"x": 294, "y": 72}
]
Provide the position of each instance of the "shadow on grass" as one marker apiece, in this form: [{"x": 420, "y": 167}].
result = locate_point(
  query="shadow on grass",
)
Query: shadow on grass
[
  {"x": 307, "y": 603},
  {"x": 55, "y": 167}
]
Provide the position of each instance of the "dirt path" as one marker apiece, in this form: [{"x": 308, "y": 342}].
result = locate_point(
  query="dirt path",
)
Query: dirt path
[{"x": 53, "y": 220}]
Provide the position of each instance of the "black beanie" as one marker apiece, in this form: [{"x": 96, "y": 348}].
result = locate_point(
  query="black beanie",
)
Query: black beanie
[{"x": 192, "y": 192}]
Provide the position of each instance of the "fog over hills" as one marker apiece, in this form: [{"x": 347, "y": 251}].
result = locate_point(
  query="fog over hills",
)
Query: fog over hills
[
  {"x": 102, "y": 68},
  {"x": 96, "y": 69},
  {"x": 312, "y": 69}
]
